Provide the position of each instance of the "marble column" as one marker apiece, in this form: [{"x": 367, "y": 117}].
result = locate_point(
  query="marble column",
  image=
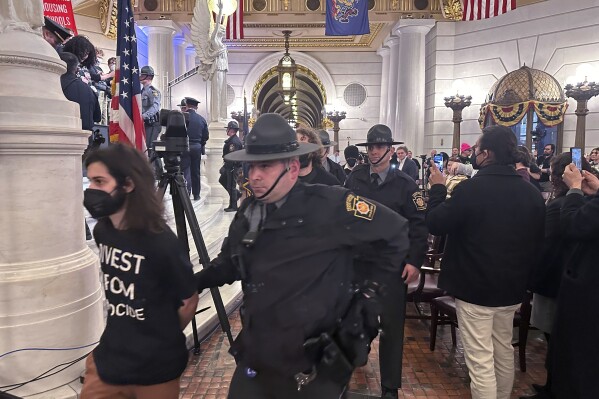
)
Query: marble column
[
  {"x": 180, "y": 57},
  {"x": 409, "y": 115},
  {"x": 160, "y": 54},
  {"x": 190, "y": 58},
  {"x": 50, "y": 293},
  {"x": 384, "y": 52},
  {"x": 393, "y": 43}
]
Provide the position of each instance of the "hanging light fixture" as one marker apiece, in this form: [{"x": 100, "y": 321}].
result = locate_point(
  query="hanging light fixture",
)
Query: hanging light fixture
[{"x": 286, "y": 69}]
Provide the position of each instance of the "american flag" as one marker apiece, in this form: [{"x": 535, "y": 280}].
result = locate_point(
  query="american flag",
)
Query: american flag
[
  {"x": 481, "y": 9},
  {"x": 235, "y": 23},
  {"x": 126, "y": 123}
]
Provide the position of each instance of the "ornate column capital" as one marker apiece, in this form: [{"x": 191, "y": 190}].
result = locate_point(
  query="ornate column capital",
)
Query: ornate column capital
[
  {"x": 391, "y": 41},
  {"x": 422, "y": 26},
  {"x": 160, "y": 27},
  {"x": 383, "y": 51}
]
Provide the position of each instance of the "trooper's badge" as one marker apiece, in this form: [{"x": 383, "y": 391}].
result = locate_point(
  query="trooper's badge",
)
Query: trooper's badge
[
  {"x": 360, "y": 207},
  {"x": 419, "y": 201},
  {"x": 155, "y": 93},
  {"x": 231, "y": 147}
]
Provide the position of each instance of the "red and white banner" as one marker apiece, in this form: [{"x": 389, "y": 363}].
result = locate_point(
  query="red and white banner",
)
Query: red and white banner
[
  {"x": 61, "y": 11},
  {"x": 235, "y": 23},
  {"x": 482, "y": 9}
]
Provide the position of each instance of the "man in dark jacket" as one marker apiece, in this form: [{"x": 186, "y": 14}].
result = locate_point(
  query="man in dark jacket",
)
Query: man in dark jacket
[
  {"x": 574, "y": 350},
  {"x": 75, "y": 90},
  {"x": 393, "y": 188},
  {"x": 197, "y": 131},
  {"x": 405, "y": 164},
  {"x": 292, "y": 245},
  {"x": 495, "y": 226},
  {"x": 327, "y": 163}
]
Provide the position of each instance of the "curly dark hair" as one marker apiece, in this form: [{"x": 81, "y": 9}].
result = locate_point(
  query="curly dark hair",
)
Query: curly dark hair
[
  {"x": 143, "y": 209},
  {"x": 82, "y": 48}
]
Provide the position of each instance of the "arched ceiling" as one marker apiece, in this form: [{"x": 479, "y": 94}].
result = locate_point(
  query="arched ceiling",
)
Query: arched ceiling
[{"x": 310, "y": 100}]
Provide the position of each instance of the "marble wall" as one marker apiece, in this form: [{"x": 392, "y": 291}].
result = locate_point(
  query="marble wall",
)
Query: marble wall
[{"x": 554, "y": 36}]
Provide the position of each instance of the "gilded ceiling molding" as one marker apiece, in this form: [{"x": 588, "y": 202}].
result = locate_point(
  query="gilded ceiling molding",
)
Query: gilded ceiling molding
[
  {"x": 452, "y": 9},
  {"x": 326, "y": 42},
  {"x": 108, "y": 18},
  {"x": 266, "y": 76}
]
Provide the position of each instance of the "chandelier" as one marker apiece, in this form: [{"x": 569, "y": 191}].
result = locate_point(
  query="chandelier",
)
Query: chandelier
[{"x": 286, "y": 69}]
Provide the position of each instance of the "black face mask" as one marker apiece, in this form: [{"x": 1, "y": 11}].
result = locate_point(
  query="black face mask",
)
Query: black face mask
[
  {"x": 100, "y": 203},
  {"x": 475, "y": 164},
  {"x": 305, "y": 160},
  {"x": 351, "y": 162}
]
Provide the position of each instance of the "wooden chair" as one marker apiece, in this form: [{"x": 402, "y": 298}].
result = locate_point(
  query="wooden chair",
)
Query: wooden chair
[
  {"x": 443, "y": 312},
  {"x": 425, "y": 288}
]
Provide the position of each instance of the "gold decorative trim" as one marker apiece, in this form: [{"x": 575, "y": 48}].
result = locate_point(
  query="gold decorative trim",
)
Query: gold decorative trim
[
  {"x": 452, "y": 9},
  {"x": 266, "y": 76},
  {"x": 108, "y": 18},
  {"x": 340, "y": 41}
]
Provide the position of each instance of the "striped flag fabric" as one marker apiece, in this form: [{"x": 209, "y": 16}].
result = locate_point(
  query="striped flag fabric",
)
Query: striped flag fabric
[
  {"x": 126, "y": 123},
  {"x": 482, "y": 9},
  {"x": 235, "y": 23}
]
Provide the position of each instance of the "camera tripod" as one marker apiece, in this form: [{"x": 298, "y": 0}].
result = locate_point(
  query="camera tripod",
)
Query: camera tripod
[{"x": 184, "y": 210}]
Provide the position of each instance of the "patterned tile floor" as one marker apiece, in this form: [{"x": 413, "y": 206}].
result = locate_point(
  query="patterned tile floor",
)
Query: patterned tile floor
[{"x": 426, "y": 374}]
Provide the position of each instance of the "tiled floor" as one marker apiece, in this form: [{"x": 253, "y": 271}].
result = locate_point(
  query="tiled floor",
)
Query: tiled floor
[{"x": 426, "y": 374}]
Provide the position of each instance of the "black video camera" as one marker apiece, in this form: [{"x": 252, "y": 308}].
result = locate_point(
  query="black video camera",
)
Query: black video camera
[{"x": 174, "y": 140}]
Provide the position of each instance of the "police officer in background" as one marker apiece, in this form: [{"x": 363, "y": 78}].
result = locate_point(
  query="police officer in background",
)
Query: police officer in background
[
  {"x": 230, "y": 170},
  {"x": 197, "y": 131},
  {"x": 55, "y": 34},
  {"x": 327, "y": 163},
  {"x": 150, "y": 105},
  {"x": 292, "y": 246},
  {"x": 393, "y": 188}
]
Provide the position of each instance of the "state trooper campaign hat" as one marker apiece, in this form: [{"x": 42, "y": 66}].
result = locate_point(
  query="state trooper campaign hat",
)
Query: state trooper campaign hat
[
  {"x": 191, "y": 101},
  {"x": 60, "y": 31},
  {"x": 379, "y": 134},
  {"x": 270, "y": 139},
  {"x": 232, "y": 125},
  {"x": 147, "y": 70},
  {"x": 183, "y": 103},
  {"x": 326, "y": 140}
]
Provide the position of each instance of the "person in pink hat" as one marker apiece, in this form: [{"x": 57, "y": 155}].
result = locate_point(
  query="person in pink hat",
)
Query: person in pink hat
[{"x": 465, "y": 153}]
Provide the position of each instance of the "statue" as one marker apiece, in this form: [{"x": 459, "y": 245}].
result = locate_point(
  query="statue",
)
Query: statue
[
  {"x": 24, "y": 15},
  {"x": 207, "y": 37}
]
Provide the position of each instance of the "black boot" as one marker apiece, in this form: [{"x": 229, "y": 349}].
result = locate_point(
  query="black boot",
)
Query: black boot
[{"x": 388, "y": 393}]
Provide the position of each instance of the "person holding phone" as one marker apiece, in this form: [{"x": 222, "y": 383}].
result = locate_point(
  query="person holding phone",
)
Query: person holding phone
[
  {"x": 494, "y": 224},
  {"x": 574, "y": 355}
]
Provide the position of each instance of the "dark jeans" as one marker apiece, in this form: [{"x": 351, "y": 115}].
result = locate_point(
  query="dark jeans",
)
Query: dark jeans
[
  {"x": 271, "y": 385},
  {"x": 392, "y": 332},
  {"x": 190, "y": 165}
]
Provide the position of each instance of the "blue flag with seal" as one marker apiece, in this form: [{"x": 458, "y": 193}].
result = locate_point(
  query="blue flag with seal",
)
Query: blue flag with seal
[{"x": 347, "y": 17}]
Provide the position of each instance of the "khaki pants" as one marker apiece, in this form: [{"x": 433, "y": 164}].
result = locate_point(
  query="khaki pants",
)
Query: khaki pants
[
  {"x": 487, "y": 338},
  {"x": 95, "y": 388}
]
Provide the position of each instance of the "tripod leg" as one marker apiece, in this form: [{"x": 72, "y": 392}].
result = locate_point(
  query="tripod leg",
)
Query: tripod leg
[{"x": 183, "y": 208}]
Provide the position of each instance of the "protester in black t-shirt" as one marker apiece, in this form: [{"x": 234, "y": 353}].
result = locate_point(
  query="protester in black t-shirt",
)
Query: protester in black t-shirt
[{"x": 147, "y": 278}]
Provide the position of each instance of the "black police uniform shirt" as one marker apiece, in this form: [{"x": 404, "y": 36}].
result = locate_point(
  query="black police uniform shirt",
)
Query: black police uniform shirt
[
  {"x": 296, "y": 273},
  {"x": 320, "y": 176},
  {"x": 399, "y": 192},
  {"x": 232, "y": 143},
  {"x": 197, "y": 129},
  {"x": 145, "y": 277}
]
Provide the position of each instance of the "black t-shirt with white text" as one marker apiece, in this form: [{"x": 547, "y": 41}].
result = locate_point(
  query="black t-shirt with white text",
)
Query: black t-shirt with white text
[{"x": 145, "y": 278}]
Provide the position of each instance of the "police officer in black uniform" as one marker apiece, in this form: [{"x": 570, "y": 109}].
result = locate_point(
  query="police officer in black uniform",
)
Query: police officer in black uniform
[
  {"x": 327, "y": 163},
  {"x": 395, "y": 189},
  {"x": 197, "y": 131},
  {"x": 292, "y": 246},
  {"x": 230, "y": 170}
]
